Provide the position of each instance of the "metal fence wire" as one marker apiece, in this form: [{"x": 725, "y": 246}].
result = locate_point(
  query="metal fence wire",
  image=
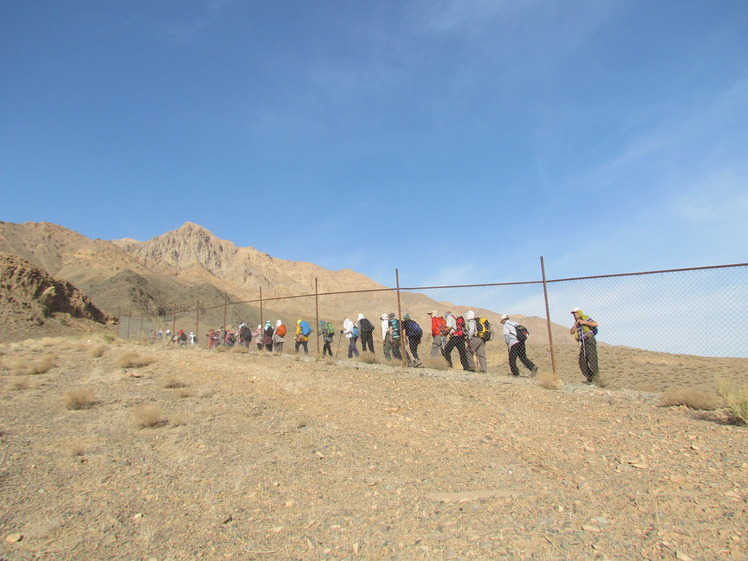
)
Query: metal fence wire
[{"x": 700, "y": 311}]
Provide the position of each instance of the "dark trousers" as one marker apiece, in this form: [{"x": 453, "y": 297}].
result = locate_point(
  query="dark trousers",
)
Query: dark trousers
[
  {"x": 518, "y": 351},
  {"x": 302, "y": 344},
  {"x": 352, "y": 350},
  {"x": 455, "y": 341},
  {"x": 367, "y": 339},
  {"x": 588, "y": 358},
  {"x": 413, "y": 342}
]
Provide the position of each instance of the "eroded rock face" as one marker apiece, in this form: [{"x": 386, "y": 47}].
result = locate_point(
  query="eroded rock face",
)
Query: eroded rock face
[{"x": 31, "y": 292}]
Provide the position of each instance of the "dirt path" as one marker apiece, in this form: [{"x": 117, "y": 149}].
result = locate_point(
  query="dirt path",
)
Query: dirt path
[{"x": 269, "y": 457}]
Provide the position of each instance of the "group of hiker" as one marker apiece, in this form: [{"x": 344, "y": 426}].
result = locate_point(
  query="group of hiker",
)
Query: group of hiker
[{"x": 467, "y": 334}]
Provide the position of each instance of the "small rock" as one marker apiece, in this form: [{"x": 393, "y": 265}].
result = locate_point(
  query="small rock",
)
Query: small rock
[
  {"x": 13, "y": 538},
  {"x": 591, "y": 528}
]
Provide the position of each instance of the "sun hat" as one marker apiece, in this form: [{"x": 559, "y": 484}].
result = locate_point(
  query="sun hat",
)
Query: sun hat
[
  {"x": 575, "y": 310},
  {"x": 504, "y": 317}
]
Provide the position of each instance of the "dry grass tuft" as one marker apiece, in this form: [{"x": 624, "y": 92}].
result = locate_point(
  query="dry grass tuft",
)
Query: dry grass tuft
[
  {"x": 369, "y": 358},
  {"x": 20, "y": 384},
  {"x": 147, "y": 416},
  {"x": 132, "y": 359},
  {"x": 548, "y": 381},
  {"x": 241, "y": 349},
  {"x": 694, "y": 399},
  {"x": 435, "y": 363},
  {"x": 182, "y": 394},
  {"x": 97, "y": 351},
  {"x": 220, "y": 349},
  {"x": 173, "y": 383},
  {"x": 736, "y": 398},
  {"x": 75, "y": 448},
  {"x": 78, "y": 399}
]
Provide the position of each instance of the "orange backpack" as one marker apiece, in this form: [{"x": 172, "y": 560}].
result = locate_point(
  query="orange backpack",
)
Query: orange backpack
[{"x": 281, "y": 331}]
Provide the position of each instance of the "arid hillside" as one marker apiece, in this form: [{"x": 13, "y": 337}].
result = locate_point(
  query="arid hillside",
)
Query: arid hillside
[
  {"x": 190, "y": 265},
  {"x": 112, "y": 450}
]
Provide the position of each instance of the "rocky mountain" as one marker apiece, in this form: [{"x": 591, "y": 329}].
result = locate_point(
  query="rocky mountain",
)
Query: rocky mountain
[
  {"x": 174, "y": 272},
  {"x": 30, "y": 298}
]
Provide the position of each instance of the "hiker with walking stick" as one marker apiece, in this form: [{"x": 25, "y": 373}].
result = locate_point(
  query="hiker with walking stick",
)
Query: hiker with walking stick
[
  {"x": 350, "y": 330},
  {"x": 584, "y": 331}
]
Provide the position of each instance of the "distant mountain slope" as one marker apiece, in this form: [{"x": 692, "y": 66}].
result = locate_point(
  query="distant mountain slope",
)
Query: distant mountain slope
[{"x": 178, "y": 269}]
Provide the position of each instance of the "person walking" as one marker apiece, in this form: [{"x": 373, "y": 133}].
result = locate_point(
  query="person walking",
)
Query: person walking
[
  {"x": 437, "y": 328},
  {"x": 386, "y": 337},
  {"x": 278, "y": 336},
  {"x": 259, "y": 337},
  {"x": 455, "y": 333},
  {"x": 516, "y": 346},
  {"x": 351, "y": 333},
  {"x": 366, "y": 332},
  {"x": 301, "y": 337},
  {"x": 395, "y": 334},
  {"x": 413, "y": 334},
  {"x": 268, "y": 336},
  {"x": 584, "y": 331},
  {"x": 327, "y": 331},
  {"x": 476, "y": 345}
]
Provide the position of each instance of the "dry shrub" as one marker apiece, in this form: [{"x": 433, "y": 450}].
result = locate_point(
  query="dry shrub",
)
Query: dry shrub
[
  {"x": 20, "y": 384},
  {"x": 75, "y": 447},
  {"x": 369, "y": 358},
  {"x": 736, "y": 398},
  {"x": 147, "y": 416},
  {"x": 132, "y": 359},
  {"x": 435, "y": 363},
  {"x": 548, "y": 381},
  {"x": 78, "y": 399},
  {"x": 241, "y": 349},
  {"x": 44, "y": 364},
  {"x": 694, "y": 399},
  {"x": 97, "y": 351},
  {"x": 182, "y": 394},
  {"x": 221, "y": 349},
  {"x": 173, "y": 383}
]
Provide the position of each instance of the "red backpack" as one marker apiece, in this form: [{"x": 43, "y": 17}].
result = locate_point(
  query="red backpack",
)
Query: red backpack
[
  {"x": 459, "y": 331},
  {"x": 281, "y": 330}
]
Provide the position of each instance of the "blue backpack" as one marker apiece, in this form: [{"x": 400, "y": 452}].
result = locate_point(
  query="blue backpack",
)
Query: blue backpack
[{"x": 305, "y": 329}]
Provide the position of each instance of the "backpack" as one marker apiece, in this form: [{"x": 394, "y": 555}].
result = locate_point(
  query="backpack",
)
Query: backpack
[
  {"x": 395, "y": 325},
  {"x": 522, "y": 333},
  {"x": 459, "y": 330},
  {"x": 329, "y": 330},
  {"x": 305, "y": 329},
  {"x": 483, "y": 329},
  {"x": 281, "y": 331},
  {"x": 245, "y": 333},
  {"x": 354, "y": 331},
  {"x": 412, "y": 329},
  {"x": 366, "y": 326},
  {"x": 441, "y": 325}
]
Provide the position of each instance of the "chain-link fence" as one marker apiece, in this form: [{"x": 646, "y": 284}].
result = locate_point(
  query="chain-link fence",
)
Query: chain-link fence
[{"x": 697, "y": 311}]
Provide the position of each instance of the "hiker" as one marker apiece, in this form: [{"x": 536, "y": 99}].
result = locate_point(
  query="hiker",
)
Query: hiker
[
  {"x": 328, "y": 332},
  {"x": 181, "y": 338},
  {"x": 413, "y": 334},
  {"x": 278, "y": 336},
  {"x": 476, "y": 345},
  {"x": 267, "y": 337},
  {"x": 515, "y": 343},
  {"x": 259, "y": 337},
  {"x": 230, "y": 338},
  {"x": 584, "y": 331},
  {"x": 351, "y": 332},
  {"x": 455, "y": 333},
  {"x": 245, "y": 335},
  {"x": 192, "y": 338},
  {"x": 302, "y": 335},
  {"x": 386, "y": 338},
  {"x": 366, "y": 332},
  {"x": 395, "y": 333},
  {"x": 437, "y": 339}
]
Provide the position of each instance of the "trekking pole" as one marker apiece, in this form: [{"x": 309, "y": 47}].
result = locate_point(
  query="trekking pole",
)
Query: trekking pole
[{"x": 339, "y": 341}]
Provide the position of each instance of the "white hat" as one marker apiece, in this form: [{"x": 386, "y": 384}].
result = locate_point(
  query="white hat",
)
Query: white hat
[
  {"x": 504, "y": 317},
  {"x": 575, "y": 310}
]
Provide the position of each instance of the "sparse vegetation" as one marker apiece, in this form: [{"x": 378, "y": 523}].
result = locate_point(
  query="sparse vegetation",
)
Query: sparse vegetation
[
  {"x": 79, "y": 398},
  {"x": 132, "y": 359},
  {"x": 435, "y": 363},
  {"x": 20, "y": 384},
  {"x": 694, "y": 399},
  {"x": 369, "y": 358},
  {"x": 548, "y": 381},
  {"x": 97, "y": 351},
  {"x": 148, "y": 416},
  {"x": 173, "y": 383},
  {"x": 75, "y": 447},
  {"x": 736, "y": 398}
]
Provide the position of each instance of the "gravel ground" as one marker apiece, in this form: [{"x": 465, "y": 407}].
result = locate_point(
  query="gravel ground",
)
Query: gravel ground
[{"x": 255, "y": 456}]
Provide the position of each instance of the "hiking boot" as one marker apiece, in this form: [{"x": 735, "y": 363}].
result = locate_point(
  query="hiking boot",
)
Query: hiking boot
[{"x": 534, "y": 370}]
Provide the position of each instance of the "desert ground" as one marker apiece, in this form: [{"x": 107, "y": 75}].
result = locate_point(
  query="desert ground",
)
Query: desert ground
[{"x": 120, "y": 450}]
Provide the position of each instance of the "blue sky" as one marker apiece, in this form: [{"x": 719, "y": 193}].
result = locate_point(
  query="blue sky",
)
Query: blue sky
[{"x": 457, "y": 141}]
